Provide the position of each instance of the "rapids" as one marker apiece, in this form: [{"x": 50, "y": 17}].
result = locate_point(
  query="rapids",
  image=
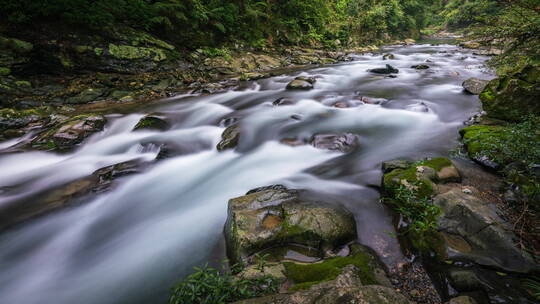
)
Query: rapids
[{"x": 132, "y": 243}]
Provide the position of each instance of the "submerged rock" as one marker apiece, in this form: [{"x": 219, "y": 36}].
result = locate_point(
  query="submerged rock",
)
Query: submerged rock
[
  {"x": 277, "y": 217},
  {"x": 474, "y": 86},
  {"x": 229, "y": 138},
  {"x": 345, "y": 143},
  {"x": 388, "y": 57},
  {"x": 387, "y": 70},
  {"x": 513, "y": 97},
  {"x": 420, "y": 67}
]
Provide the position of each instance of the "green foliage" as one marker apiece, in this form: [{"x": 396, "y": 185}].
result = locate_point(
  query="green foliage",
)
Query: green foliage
[
  {"x": 210, "y": 286},
  {"x": 199, "y": 23},
  {"x": 533, "y": 284},
  {"x": 419, "y": 212},
  {"x": 517, "y": 143}
]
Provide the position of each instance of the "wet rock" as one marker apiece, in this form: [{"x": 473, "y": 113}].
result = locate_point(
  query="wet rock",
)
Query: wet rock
[
  {"x": 464, "y": 280},
  {"x": 418, "y": 107},
  {"x": 387, "y": 70},
  {"x": 301, "y": 83},
  {"x": 152, "y": 122},
  {"x": 273, "y": 217},
  {"x": 513, "y": 97},
  {"x": 391, "y": 165},
  {"x": 227, "y": 122},
  {"x": 283, "y": 101},
  {"x": 489, "y": 240},
  {"x": 229, "y": 138},
  {"x": 345, "y": 143},
  {"x": 420, "y": 67},
  {"x": 462, "y": 300},
  {"x": 474, "y": 86},
  {"x": 86, "y": 96},
  {"x": 75, "y": 130},
  {"x": 388, "y": 57},
  {"x": 14, "y": 119},
  {"x": 63, "y": 195}
]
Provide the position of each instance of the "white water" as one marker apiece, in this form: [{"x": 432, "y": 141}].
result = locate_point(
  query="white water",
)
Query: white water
[{"x": 130, "y": 244}]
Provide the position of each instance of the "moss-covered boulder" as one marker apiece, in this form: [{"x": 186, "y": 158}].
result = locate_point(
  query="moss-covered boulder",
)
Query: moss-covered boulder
[
  {"x": 474, "y": 231},
  {"x": 514, "y": 96},
  {"x": 419, "y": 176},
  {"x": 152, "y": 122},
  {"x": 276, "y": 216},
  {"x": 479, "y": 141}
]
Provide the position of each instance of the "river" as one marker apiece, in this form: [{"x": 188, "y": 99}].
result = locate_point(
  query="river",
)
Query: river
[{"x": 130, "y": 244}]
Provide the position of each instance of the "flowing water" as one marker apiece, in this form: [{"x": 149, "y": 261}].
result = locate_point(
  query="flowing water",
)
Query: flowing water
[{"x": 131, "y": 243}]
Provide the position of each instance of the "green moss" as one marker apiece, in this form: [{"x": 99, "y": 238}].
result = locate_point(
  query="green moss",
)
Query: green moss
[
  {"x": 127, "y": 52},
  {"x": 5, "y": 71},
  {"x": 437, "y": 163},
  {"x": 477, "y": 139},
  {"x": 23, "y": 84},
  {"x": 307, "y": 275},
  {"x": 428, "y": 242},
  {"x": 98, "y": 51},
  {"x": 12, "y": 113},
  {"x": 393, "y": 180}
]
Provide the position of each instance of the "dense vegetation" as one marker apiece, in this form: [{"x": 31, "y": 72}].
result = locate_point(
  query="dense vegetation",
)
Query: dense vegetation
[{"x": 255, "y": 22}]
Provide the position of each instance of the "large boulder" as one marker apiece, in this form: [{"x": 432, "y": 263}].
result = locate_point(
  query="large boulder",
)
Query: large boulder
[
  {"x": 275, "y": 216},
  {"x": 473, "y": 230},
  {"x": 474, "y": 85},
  {"x": 152, "y": 122},
  {"x": 514, "y": 96}
]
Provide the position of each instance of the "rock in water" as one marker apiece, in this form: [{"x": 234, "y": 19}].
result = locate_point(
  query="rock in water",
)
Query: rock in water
[
  {"x": 229, "y": 138},
  {"x": 277, "y": 217},
  {"x": 474, "y": 86},
  {"x": 345, "y": 143},
  {"x": 301, "y": 83},
  {"x": 420, "y": 67},
  {"x": 152, "y": 122},
  {"x": 388, "y": 70},
  {"x": 75, "y": 130},
  {"x": 388, "y": 57}
]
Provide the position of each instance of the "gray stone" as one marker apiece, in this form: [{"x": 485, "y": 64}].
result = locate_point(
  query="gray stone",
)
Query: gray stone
[
  {"x": 474, "y": 86},
  {"x": 229, "y": 138},
  {"x": 345, "y": 143},
  {"x": 387, "y": 70},
  {"x": 488, "y": 237},
  {"x": 272, "y": 217}
]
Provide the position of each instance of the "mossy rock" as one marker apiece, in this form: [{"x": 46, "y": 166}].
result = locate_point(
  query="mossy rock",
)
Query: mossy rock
[
  {"x": 479, "y": 141},
  {"x": 513, "y": 97},
  {"x": 420, "y": 176},
  {"x": 229, "y": 138},
  {"x": 13, "y": 119},
  {"x": 306, "y": 275},
  {"x": 5, "y": 71},
  {"x": 16, "y": 45},
  {"x": 274, "y": 217},
  {"x": 152, "y": 122}
]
